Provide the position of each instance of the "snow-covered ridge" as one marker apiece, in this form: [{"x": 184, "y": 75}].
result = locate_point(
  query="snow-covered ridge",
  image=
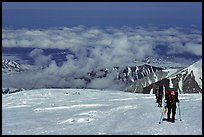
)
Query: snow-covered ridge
[
  {"x": 119, "y": 75},
  {"x": 137, "y": 72},
  {"x": 196, "y": 68},
  {"x": 190, "y": 78},
  {"x": 126, "y": 74},
  {"x": 8, "y": 65},
  {"x": 126, "y": 78},
  {"x": 140, "y": 85},
  {"x": 11, "y": 66},
  {"x": 187, "y": 80}
]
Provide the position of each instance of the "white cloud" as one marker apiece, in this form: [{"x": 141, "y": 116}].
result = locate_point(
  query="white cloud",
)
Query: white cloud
[
  {"x": 94, "y": 48},
  {"x": 39, "y": 58},
  {"x": 193, "y": 48},
  {"x": 121, "y": 40}
]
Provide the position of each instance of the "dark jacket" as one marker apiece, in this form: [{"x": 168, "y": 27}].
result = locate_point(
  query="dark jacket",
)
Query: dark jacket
[
  {"x": 171, "y": 98},
  {"x": 161, "y": 89}
]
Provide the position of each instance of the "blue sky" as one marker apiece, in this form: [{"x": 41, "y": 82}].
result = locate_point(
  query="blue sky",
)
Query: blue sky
[
  {"x": 112, "y": 33},
  {"x": 103, "y": 14}
]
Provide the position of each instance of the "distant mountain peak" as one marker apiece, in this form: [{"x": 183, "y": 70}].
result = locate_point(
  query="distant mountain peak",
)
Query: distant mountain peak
[
  {"x": 186, "y": 80},
  {"x": 9, "y": 65}
]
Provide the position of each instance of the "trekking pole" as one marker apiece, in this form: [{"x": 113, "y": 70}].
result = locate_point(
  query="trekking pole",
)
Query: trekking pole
[
  {"x": 179, "y": 111},
  {"x": 162, "y": 113}
]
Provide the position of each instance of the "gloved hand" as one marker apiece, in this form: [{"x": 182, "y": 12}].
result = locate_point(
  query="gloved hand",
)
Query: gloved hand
[{"x": 178, "y": 101}]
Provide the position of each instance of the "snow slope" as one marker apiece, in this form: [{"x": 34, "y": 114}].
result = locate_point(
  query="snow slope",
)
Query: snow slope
[
  {"x": 190, "y": 78},
  {"x": 93, "y": 112},
  {"x": 197, "y": 71}
]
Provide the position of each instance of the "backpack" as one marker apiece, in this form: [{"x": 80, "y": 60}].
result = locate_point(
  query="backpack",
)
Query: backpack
[
  {"x": 173, "y": 93},
  {"x": 172, "y": 97}
]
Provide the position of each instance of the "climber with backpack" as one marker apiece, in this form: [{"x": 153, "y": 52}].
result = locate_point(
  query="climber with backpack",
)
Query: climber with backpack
[{"x": 171, "y": 97}]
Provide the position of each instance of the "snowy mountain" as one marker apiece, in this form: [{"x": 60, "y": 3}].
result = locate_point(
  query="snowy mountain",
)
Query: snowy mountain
[
  {"x": 95, "y": 112},
  {"x": 131, "y": 74},
  {"x": 138, "y": 78},
  {"x": 119, "y": 76},
  {"x": 11, "y": 66},
  {"x": 125, "y": 74},
  {"x": 140, "y": 86},
  {"x": 187, "y": 80}
]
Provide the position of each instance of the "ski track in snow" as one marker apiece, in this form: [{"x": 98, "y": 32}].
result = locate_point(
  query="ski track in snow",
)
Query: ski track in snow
[{"x": 95, "y": 112}]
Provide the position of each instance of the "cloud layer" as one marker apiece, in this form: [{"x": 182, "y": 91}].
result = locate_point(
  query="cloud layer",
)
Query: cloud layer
[
  {"x": 94, "y": 48},
  {"x": 120, "y": 41}
]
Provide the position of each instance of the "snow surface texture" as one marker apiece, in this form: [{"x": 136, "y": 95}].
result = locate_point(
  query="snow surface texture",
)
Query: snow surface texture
[{"x": 95, "y": 112}]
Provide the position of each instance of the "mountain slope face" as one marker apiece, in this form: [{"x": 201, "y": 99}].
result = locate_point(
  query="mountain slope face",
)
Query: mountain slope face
[
  {"x": 119, "y": 75},
  {"x": 187, "y": 80},
  {"x": 141, "y": 85},
  {"x": 125, "y": 75},
  {"x": 139, "y": 79},
  {"x": 11, "y": 66},
  {"x": 131, "y": 74}
]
